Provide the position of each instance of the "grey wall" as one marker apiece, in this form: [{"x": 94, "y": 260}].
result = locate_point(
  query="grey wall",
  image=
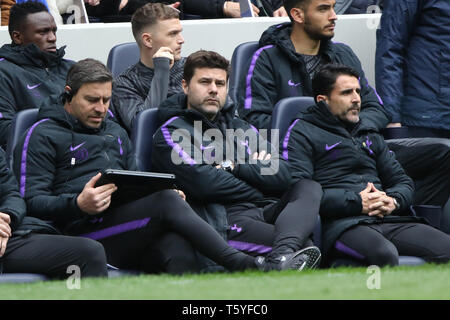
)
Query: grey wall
[{"x": 221, "y": 35}]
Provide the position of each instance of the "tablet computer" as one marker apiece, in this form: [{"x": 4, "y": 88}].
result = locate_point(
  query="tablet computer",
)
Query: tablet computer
[{"x": 133, "y": 185}]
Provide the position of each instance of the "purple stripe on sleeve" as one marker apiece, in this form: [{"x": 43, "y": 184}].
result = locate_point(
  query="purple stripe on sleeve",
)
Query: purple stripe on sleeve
[
  {"x": 111, "y": 113},
  {"x": 249, "y": 247},
  {"x": 378, "y": 96},
  {"x": 23, "y": 164},
  {"x": 348, "y": 251},
  {"x": 1, "y": 115},
  {"x": 248, "y": 90},
  {"x": 183, "y": 155},
  {"x": 120, "y": 228},
  {"x": 286, "y": 140}
]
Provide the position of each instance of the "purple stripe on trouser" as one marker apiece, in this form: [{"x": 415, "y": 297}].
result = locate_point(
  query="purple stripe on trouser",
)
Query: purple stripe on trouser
[
  {"x": 120, "y": 228},
  {"x": 348, "y": 251},
  {"x": 286, "y": 140},
  {"x": 249, "y": 247},
  {"x": 248, "y": 90},
  {"x": 23, "y": 163},
  {"x": 183, "y": 155}
]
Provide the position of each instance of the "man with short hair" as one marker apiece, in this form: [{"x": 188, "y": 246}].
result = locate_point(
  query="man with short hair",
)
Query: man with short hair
[
  {"x": 289, "y": 56},
  {"x": 31, "y": 67},
  {"x": 365, "y": 205},
  {"x": 230, "y": 174},
  {"x": 157, "y": 30},
  {"x": 58, "y": 164}
]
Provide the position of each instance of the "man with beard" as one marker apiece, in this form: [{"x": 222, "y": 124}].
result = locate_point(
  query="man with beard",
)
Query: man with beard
[
  {"x": 31, "y": 67},
  {"x": 289, "y": 56},
  {"x": 366, "y": 194}
]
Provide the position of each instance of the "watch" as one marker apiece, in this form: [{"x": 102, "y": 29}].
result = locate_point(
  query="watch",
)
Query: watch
[
  {"x": 227, "y": 165},
  {"x": 396, "y": 204}
]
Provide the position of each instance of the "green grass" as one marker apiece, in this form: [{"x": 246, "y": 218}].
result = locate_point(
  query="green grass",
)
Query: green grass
[{"x": 422, "y": 282}]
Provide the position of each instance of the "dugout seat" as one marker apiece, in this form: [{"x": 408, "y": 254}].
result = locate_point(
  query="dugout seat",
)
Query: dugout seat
[{"x": 122, "y": 56}]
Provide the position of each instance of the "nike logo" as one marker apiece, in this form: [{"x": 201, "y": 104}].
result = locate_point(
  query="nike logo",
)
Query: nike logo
[
  {"x": 328, "y": 148},
  {"x": 292, "y": 84},
  {"x": 1, "y": 59},
  {"x": 76, "y": 147},
  {"x": 33, "y": 87},
  {"x": 236, "y": 228}
]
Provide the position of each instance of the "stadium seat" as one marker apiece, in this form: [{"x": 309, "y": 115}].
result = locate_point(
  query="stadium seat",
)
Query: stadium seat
[
  {"x": 241, "y": 55},
  {"x": 283, "y": 115},
  {"x": 122, "y": 56},
  {"x": 21, "y": 122},
  {"x": 144, "y": 126}
]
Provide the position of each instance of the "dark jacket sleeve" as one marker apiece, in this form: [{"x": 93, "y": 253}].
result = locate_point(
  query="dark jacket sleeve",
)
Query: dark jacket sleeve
[
  {"x": 8, "y": 110},
  {"x": 35, "y": 176},
  {"x": 396, "y": 24},
  {"x": 128, "y": 102},
  {"x": 300, "y": 152},
  {"x": 372, "y": 109},
  {"x": 396, "y": 183},
  {"x": 10, "y": 200},
  {"x": 257, "y": 93},
  {"x": 200, "y": 181}
]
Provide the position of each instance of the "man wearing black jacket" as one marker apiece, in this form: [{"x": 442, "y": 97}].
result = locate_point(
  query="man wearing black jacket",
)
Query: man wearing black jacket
[
  {"x": 31, "y": 67},
  {"x": 231, "y": 176},
  {"x": 29, "y": 245},
  {"x": 365, "y": 206},
  {"x": 59, "y": 161}
]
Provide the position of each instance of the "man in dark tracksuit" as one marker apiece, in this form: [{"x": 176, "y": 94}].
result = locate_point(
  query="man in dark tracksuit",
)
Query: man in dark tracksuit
[
  {"x": 365, "y": 206},
  {"x": 289, "y": 56},
  {"x": 29, "y": 245},
  {"x": 31, "y": 67},
  {"x": 57, "y": 163},
  {"x": 237, "y": 195}
]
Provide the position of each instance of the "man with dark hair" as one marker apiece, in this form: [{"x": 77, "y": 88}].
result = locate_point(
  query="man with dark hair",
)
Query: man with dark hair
[
  {"x": 58, "y": 163},
  {"x": 31, "y": 67},
  {"x": 29, "y": 245},
  {"x": 289, "y": 56},
  {"x": 366, "y": 193},
  {"x": 229, "y": 173},
  {"x": 157, "y": 30}
]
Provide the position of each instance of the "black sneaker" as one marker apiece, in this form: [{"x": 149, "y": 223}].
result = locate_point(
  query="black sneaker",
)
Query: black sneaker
[{"x": 307, "y": 258}]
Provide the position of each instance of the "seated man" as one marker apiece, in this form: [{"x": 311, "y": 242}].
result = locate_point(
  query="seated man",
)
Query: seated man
[
  {"x": 29, "y": 245},
  {"x": 157, "y": 30},
  {"x": 31, "y": 67},
  {"x": 247, "y": 196},
  {"x": 289, "y": 56},
  {"x": 58, "y": 161},
  {"x": 365, "y": 206}
]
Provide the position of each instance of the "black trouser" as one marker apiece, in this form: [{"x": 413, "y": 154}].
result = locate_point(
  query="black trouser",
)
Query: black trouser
[
  {"x": 284, "y": 225},
  {"x": 51, "y": 255},
  {"x": 137, "y": 235},
  {"x": 381, "y": 244}
]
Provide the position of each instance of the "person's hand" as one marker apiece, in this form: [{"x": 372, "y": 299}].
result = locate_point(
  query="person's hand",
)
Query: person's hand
[
  {"x": 384, "y": 206},
  {"x": 175, "y": 5},
  {"x": 167, "y": 53},
  {"x": 262, "y": 156},
  {"x": 3, "y": 243},
  {"x": 92, "y": 2},
  {"x": 233, "y": 10},
  {"x": 180, "y": 193},
  {"x": 394, "y": 125},
  {"x": 94, "y": 200},
  {"x": 369, "y": 196},
  {"x": 5, "y": 229},
  {"x": 122, "y": 4},
  {"x": 280, "y": 12}
]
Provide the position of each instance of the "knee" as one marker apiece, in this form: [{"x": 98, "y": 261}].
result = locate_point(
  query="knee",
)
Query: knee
[
  {"x": 92, "y": 257},
  {"x": 383, "y": 256}
]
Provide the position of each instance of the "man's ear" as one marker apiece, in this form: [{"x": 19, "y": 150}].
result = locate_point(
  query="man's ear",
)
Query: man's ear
[
  {"x": 184, "y": 84},
  {"x": 321, "y": 97},
  {"x": 298, "y": 15},
  {"x": 147, "y": 40},
  {"x": 16, "y": 37}
]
